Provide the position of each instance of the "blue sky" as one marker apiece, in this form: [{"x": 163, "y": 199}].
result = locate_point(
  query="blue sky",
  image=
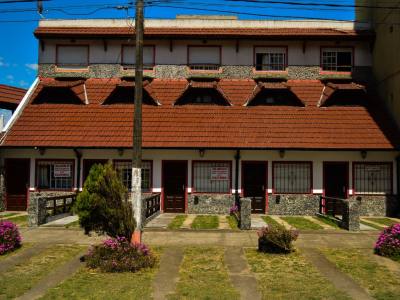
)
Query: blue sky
[{"x": 19, "y": 48}]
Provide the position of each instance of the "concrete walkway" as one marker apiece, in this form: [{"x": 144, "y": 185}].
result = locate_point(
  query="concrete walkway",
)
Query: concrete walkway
[
  {"x": 62, "y": 222},
  {"x": 257, "y": 222},
  {"x": 161, "y": 221}
]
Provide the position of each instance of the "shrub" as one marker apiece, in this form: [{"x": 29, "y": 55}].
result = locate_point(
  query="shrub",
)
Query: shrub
[
  {"x": 388, "y": 243},
  {"x": 10, "y": 239},
  {"x": 119, "y": 255},
  {"x": 276, "y": 239},
  {"x": 103, "y": 205}
]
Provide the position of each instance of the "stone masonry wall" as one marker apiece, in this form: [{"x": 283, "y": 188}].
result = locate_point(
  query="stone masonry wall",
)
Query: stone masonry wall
[
  {"x": 2, "y": 191},
  {"x": 376, "y": 205},
  {"x": 210, "y": 204},
  {"x": 293, "y": 204}
]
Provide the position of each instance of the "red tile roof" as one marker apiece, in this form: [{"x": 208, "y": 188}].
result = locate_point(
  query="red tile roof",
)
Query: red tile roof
[
  {"x": 10, "y": 96},
  {"x": 237, "y": 126},
  {"x": 319, "y": 33}
]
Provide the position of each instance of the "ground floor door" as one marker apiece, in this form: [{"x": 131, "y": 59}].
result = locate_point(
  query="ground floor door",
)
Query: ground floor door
[
  {"x": 254, "y": 183},
  {"x": 336, "y": 184},
  {"x": 88, "y": 164},
  {"x": 174, "y": 177},
  {"x": 17, "y": 183}
]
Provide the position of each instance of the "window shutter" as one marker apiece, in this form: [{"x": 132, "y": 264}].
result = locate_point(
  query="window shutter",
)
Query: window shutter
[
  {"x": 72, "y": 56},
  {"x": 204, "y": 55}
]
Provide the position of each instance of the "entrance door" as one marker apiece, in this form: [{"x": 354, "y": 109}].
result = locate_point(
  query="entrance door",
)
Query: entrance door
[
  {"x": 17, "y": 182},
  {"x": 336, "y": 184},
  {"x": 254, "y": 184},
  {"x": 174, "y": 176},
  {"x": 88, "y": 164}
]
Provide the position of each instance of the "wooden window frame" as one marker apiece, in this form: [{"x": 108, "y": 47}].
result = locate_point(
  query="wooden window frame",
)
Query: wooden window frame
[
  {"x": 37, "y": 161},
  {"x": 286, "y": 63},
  {"x": 213, "y": 161},
  {"x": 389, "y": 163},
  {"x": 310, "y": 188},
  {"x": 83, "y": 69},
  {"x": 219, "y": 70}
]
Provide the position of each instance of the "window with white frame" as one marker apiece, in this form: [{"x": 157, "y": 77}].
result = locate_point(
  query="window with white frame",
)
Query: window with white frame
[
  {"x": 372, "y": 178},
  {"x": 124, "y": 170},
  {"x": 337, "y": 59},
  {"x": 72, "y": 56},
  {"x": 128, "y": 59},
  {"x": 292, "y": 177},
  {"x": 211, "y": 177},
  {"x": 56, "y": 175},
  {"x": 270, "y": 58},
  {"x": 204, "y": 58}
]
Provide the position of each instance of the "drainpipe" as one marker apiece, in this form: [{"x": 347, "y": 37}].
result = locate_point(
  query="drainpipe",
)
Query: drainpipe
[
  {"x": 237, "y": 196},
  {"x": 78, "y": 156}
]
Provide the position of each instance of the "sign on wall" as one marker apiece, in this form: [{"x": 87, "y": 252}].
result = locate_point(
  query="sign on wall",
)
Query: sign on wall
[
  {"x": 219, "y": 173},
  {"x": 62, "y": 170}
]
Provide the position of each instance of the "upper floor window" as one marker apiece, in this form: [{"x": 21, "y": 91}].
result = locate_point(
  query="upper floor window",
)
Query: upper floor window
[
  {"x": 72, "y": 56},
  {"x": 128, "y": 59},
  {"x": 204, "y": 58},
  {"x": 337, "y": 59},
  {"x": 270, "y": 58}
]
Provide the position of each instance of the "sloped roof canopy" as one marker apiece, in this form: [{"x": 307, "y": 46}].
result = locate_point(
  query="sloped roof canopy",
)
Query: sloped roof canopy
[
  {"x": 10, "y": 96},
  {"x": 61, "y": 91},
  {"x": 343, "y": 94}
]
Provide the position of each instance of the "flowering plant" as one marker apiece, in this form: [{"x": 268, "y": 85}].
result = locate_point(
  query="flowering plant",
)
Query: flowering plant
[
  {"x": 388, "y": 243},
  {"x": 119, "y": 255},
  {"x": 234, "y": 209},
  {"x": 276, "y": 239},
  {"x": 10, "y": 239}
]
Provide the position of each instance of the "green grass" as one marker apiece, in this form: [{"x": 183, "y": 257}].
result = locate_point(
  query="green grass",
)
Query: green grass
[
  {"x": 327, "y": 221},
  {"x": 384, "y": 221},
  {"x": 233, "y": 222},
  {"x": 7, "y": 215},
  {"x": 302, "y": 223},
  {"x": 177, "y": 222},
  {"x": 203, "y": 275},
  {"x": 371, "y": 225},
  {"x": 21, "y": 221},
  {"x": 74, "y": 224},
  {"x": 270, "y": 221},
  {"x": 290, "y": 276},
  {"x": 360, "y": 265},
  {"x": 23, "y": 277},
  {"x": 205, "y": 222},
  {"x": 20, "y": 249},
  {"x": 91, "y": 284}
]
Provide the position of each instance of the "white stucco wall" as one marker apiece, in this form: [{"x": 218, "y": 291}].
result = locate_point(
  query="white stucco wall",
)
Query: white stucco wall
[{"x": 157, "y": 156}]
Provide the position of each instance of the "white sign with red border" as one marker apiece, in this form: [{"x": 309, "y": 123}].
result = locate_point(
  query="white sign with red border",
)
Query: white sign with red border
[
  {"x": 220, "y": 173},
  {"x": 62, "y": 170}
]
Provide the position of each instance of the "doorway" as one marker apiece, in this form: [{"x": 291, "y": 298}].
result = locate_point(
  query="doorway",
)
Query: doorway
[
  {"x": 17, "y": 173},
  {"x": 254, "y": 183},
  {"x": 336, "y": 185},
  {"x": 88, "y": 164},
  {"x": 174, "y": 182}
]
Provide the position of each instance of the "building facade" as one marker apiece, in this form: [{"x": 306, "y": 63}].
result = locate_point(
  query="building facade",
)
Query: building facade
[{"x": 278, "y": 111}]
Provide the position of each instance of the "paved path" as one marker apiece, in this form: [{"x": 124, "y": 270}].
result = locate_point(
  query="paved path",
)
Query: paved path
[
  {"x": 168, "y": 274},
  {"x": 161, "y": 221},
  {"x": 21, "y": 257},
  {"x": 241, "y": 276},
  {"x": 340, "y": 280},
  {"x": 257, "y": 222},
  {"x": 282, "y": 222},
  {"x": 223, "y": 223},
  {"x": 187, "y": 224},
  {"x": 62, "y": 222},
  {"x": 320, "y": 223}
]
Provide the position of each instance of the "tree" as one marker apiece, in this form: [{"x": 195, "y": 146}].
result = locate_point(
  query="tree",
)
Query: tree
[{"x": 103, "y": 204}]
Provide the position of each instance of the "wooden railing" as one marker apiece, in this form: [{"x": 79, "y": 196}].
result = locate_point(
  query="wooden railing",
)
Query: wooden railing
[
  {"x": 60, "y": 204},
  {"x": 328, "y": 205},
  {"x": 152, "y": 205}
]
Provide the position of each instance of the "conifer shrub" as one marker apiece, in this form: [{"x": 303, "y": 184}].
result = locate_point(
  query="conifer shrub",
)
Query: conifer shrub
[
  {"x": 10, "y": 239},
  {"x": 276, "y": 239}
]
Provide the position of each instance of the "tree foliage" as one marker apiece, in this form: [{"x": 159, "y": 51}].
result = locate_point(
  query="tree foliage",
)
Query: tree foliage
[{"x": 103, "y": 204}]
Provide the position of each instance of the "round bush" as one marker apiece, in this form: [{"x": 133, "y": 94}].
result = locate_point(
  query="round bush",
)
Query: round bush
[
  {"x": 388, "y": 243},
  {"x": 119, "y": 255},
  {"x": 10, "y": 239},
  {"x": 276, "y": 239}
]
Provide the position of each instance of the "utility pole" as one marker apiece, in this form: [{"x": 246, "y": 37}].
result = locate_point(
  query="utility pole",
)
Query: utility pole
[{"x": 136, "y": 191}]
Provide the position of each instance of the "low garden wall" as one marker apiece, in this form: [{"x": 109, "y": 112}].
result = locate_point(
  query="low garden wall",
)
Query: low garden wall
[
  {"x": 379, "y": 205},
  {"x": 306, "y": 205},
  {"x": 210, "y": 204}
]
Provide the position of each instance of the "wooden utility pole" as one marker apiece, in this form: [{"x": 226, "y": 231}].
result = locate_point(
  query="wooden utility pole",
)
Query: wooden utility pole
[{"x": 136, "y": 191}]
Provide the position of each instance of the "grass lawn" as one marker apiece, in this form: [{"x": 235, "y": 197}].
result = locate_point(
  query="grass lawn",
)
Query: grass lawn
[
  {"x": 7, "y": 215},
  {"x": 378, "y": 280},
  {"x": 384, "y": 221},
  {"x": 302, "y": 223},
  {"x": 23, "y": 277},
  {"x": 372, "y": 225},
  {"x": 270, "y": 221},
  {"x": 22, "y": 248},
  {"x": 21, "y": 221},
  {"x": 205, "y": 222},
  {"x": 290, "y": 276},
  {"x": 177, "y": 222},
  {"x": 92, "y": 284},
  {"x": 203, "y": 275},
  {"x": 327, "y": 221},
  {"x": 233, "y": 223}
]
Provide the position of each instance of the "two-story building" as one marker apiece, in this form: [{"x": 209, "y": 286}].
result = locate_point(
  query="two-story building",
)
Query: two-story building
[{"x": 279, "y": 111}]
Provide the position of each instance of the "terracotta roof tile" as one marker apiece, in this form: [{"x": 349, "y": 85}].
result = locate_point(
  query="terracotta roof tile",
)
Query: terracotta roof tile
[
  {"x": 237, "y": 126},
  {"x": 10, "y": 96}
]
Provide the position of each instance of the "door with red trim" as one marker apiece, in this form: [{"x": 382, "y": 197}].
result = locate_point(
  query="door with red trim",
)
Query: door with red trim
[
  {"x": 335, "y": 185},
  {"x": 88, "y": 164},
  {"x": 17, "y": 183},
  {"x": 174, "y": 184},
  {"x": 254, "y": 184}
]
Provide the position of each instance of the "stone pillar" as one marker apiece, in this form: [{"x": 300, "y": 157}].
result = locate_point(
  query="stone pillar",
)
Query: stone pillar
[
  {"x": 351, "y": 214},
  {"x": 245, "y": 213},
  {"x": 37, "y": 212}
]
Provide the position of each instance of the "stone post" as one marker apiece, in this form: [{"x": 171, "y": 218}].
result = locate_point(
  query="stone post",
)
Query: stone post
[
  {"x": 245, "y": 213},
  {"x": 37, "y": 213},
  {"x": 351, "y": 214}
]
